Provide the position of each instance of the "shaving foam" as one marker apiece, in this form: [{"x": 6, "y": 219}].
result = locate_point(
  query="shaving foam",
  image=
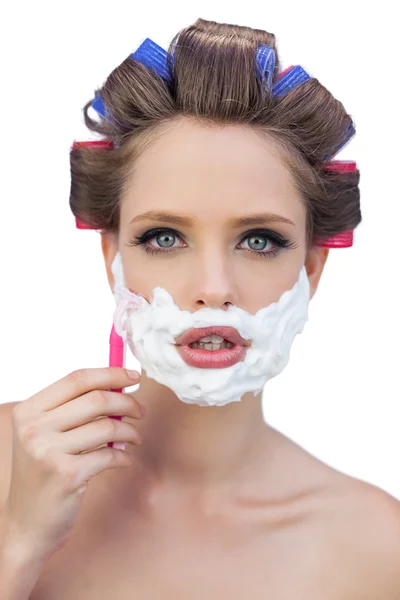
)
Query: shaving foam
[{"x": 150, "y": 330}]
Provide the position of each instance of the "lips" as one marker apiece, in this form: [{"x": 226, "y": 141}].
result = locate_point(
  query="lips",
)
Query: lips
[
  {"x": 228, "y": 333},
  {"x": 212, "y": 359}
]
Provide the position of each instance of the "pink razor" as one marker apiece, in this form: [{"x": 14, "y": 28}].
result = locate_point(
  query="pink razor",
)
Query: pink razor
[{"x": 116, "y": 360}]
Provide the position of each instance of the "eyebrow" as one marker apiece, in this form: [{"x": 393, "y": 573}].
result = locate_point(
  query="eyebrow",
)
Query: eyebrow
[{"x": 235, "y": 222}]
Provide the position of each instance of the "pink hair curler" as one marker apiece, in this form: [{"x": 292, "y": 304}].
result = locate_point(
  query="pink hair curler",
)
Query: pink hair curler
[
  {"x": 80, "y": 225},
  {"x": 102, "y": 145},
  {"x": 345, "y": 239},
  {"x": 340, "y": 240},
  {"x": 343, "y": 166},
  {"x": 93, "y": 144}
]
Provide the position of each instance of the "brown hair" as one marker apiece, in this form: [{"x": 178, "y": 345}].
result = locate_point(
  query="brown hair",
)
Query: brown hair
[{"x": 214, "y": 82}]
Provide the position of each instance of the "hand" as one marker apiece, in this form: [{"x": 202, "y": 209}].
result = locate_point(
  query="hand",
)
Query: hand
[{"x": 56, "y": 437}]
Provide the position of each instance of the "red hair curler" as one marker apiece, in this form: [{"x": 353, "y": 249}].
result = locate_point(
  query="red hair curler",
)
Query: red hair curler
[
  {"x": 345, "y": 239},
  {"x": 93, "y": 144},
  {"x": 343, "y": 166},
  {"x": 103, "y": 144}
]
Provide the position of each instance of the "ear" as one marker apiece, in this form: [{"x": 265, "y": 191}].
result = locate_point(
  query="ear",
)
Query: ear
[
  {"x": 109, "y": 246},
  {"x": 314, "y": 263}
]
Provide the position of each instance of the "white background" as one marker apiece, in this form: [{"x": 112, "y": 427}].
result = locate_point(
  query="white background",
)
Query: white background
[{"x": 339, "y": 395}]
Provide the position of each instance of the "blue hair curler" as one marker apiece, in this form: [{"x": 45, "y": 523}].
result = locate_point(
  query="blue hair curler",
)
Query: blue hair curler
[
  {"x": 290, "y": 79},
  {"x": 265, "y": 64},
  {"x": 350, "y": 133},
  {"x": 152, "y": 56},
  {"x": 98, "y": 105}
]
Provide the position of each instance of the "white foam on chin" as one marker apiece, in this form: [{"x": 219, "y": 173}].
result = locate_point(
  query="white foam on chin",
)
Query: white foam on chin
[{"x": 150, "y": 330}]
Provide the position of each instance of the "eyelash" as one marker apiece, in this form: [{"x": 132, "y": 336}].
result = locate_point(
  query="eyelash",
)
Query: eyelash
[{"x": 280, "y": 242}]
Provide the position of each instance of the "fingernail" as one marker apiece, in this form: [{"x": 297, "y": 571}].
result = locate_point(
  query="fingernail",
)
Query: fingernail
[
  {"x": 133, "y": 374},
  {"x": 119, "y": 445}
]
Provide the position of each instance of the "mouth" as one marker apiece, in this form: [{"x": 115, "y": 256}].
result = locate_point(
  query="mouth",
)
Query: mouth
[{"x": 212, "y": 347}]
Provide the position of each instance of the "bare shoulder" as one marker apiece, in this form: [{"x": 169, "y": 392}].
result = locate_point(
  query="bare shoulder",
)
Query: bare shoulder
[
  {"x": 357, "y": 527},
  {"x": 6, "y": 415},
  {"x": 364, "y": 534}
]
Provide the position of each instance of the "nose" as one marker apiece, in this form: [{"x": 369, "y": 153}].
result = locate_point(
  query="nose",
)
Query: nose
[{"x": 212, "y": 284}]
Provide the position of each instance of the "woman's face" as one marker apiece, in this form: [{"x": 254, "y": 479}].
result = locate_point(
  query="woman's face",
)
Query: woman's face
[{"x": 219, "y": 217}]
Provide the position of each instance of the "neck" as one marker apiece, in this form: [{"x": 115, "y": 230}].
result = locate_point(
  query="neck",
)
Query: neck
[{"x": 192, "y": 444}]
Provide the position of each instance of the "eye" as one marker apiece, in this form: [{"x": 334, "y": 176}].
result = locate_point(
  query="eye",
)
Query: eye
[
  {"x": 164, "y": 237},
  {"x": 258, "y": 242}
]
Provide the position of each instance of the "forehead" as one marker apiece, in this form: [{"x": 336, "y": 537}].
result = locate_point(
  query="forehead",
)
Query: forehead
[{"x": 211, "y": 172}]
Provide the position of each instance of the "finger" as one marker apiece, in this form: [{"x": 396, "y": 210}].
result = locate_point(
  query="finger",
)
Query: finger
[
  {"x": 97, "y": 461},
  {"x": 95, "y": 434},
  {"x": 81, "y": 382},
  {"x": 90, "y": 406}
]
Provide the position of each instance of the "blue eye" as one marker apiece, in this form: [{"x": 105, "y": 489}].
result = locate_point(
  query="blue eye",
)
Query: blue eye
[
  {"x": 157, "y": 234},
  {"x": 167, "y": 235},
  {"x": 259, "y": 237},
  {"x": 257, "y": 240}
]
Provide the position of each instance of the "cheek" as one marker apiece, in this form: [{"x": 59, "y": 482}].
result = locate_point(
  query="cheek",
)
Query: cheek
[
  {"x": 259, "y": 292},
  {"x": 139, "y": 285},
  {"x": 145, "y": 278},
  {"x": 144, "y": 284}
]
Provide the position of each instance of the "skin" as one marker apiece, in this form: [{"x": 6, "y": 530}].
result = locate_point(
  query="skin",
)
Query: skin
[
  {"x": 218, "y": 504},
  {"x": 209, "y": 175}
]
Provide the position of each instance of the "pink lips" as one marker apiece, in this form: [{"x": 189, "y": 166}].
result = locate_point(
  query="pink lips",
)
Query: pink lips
[{"x": 207, "y": 359}]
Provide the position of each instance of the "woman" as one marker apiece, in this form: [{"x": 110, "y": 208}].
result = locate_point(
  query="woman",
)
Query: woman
[{"x": 207, "y": 167}]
